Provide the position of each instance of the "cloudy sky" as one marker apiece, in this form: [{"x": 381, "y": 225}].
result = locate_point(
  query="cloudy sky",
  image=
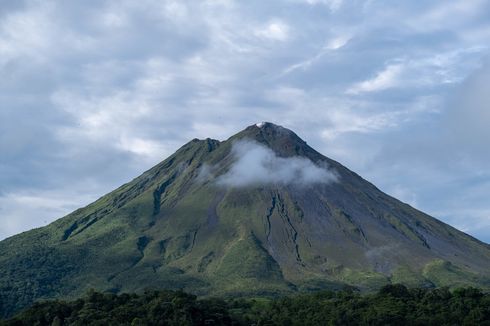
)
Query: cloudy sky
[{"x": 94, "y": 92}]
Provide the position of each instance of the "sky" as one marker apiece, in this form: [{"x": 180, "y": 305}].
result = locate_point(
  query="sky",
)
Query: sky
[{"x": 94, "y": 92}]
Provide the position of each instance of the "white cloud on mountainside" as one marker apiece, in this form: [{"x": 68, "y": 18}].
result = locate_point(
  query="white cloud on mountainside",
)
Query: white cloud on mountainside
[
  {"x": 256, "y": 164},
  {"x": 94, "y": 93}
]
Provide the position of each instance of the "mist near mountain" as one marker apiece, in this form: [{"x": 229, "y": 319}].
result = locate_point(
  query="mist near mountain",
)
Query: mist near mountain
[
  {"x": 259, "y": 214},
  {"x": 255, "y": 164}
]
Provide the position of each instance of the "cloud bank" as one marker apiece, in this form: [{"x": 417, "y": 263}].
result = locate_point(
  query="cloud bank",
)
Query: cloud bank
[
  {"x": 256, "y": 164},
  {"x": 95, "y": 92}
]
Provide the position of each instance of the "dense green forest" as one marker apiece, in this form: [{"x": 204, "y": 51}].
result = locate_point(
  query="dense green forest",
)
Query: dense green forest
[{"x": 392, "y": 305}]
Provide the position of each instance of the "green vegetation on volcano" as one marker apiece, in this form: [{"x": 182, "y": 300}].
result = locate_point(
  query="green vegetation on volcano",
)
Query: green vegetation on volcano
[
  {"x": 175, "y": 227},
  {"x": 392, "y": 305}
]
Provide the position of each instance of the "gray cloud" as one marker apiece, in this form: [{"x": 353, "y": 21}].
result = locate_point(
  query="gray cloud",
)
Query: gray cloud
[
  {"x": 443, "y": 168},
  {"x": 94, "y": 92},
  {"x": 256, "y": 164},
  {"x": 468, "y": 116}
]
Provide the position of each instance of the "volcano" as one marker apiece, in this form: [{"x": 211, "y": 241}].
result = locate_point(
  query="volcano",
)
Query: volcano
[{"x": 261, "y": 213}]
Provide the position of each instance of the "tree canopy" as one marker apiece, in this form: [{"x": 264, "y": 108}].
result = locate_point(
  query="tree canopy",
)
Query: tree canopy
[{"x": 391, "y": 305}]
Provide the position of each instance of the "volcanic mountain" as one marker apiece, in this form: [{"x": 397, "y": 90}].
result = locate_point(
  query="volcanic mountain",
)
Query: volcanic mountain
[{"x": 261, "y": 213}]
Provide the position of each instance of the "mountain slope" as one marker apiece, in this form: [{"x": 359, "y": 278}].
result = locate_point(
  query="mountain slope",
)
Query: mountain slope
[{"x": 261, "y": 213}]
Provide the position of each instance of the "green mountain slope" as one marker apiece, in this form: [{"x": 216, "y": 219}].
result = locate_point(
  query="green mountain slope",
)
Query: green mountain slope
[{"x": 179, "y": 225}]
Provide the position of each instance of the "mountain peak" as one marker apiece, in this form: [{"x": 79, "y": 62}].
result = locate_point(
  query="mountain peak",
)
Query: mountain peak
[
  {"x": 267, "y": 124},
  {"x": 271, "y": 126},
  {"x": 210, "y": 219},
  {"x": 281, "y": 140},
  {"x": 274, "y": 130}
]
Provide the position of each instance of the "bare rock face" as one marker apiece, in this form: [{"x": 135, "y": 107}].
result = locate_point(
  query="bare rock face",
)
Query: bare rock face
[{"x": 261, "y": 213}]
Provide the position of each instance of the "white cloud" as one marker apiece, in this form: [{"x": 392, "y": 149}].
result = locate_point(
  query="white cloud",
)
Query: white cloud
[
  {"x": 275, "y": 30},
  {"x": 111, "y": 120},
  {"x": 444, "y": 14},
  {"x": 114, "y": 19},
  {"x": 175, "y": 10},
  {"x": 338, "y": 42},
  {"x": 139, "y": 146},
  {"x": 333, "y": 44},
  {"x": 104, "y": 90},
  {"x": 340, "y": 117},
  {"x": 25, "y": 34},
  {"x": 421, "y": 71},
  {"x": 28, "y": 209},
  {"x": 256, "y": 164},
  {"x": 385, "y": 79},
  {"x": 468, "y": 114},
  {"x": 350, "y": 122},
  {"x": 333, "y": 5}
]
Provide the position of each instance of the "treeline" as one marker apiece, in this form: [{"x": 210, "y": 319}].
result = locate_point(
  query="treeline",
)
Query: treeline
[{"x": 392, "y": 305}]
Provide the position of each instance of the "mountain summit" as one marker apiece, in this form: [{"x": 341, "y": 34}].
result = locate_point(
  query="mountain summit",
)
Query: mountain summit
[{"x": 261, "y": 213}]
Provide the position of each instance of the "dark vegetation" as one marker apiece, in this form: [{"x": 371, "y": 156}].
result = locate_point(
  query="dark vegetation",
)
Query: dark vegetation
[
  {"x": 175, "y": 227},
  {"x": 392, "y": 305}
]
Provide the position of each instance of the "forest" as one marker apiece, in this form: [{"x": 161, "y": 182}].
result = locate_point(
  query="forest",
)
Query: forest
[{"x": 391, "y": 305}]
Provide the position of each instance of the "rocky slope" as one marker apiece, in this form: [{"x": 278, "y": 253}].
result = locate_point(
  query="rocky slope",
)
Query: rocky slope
[{"x": 261, "y": 213}]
